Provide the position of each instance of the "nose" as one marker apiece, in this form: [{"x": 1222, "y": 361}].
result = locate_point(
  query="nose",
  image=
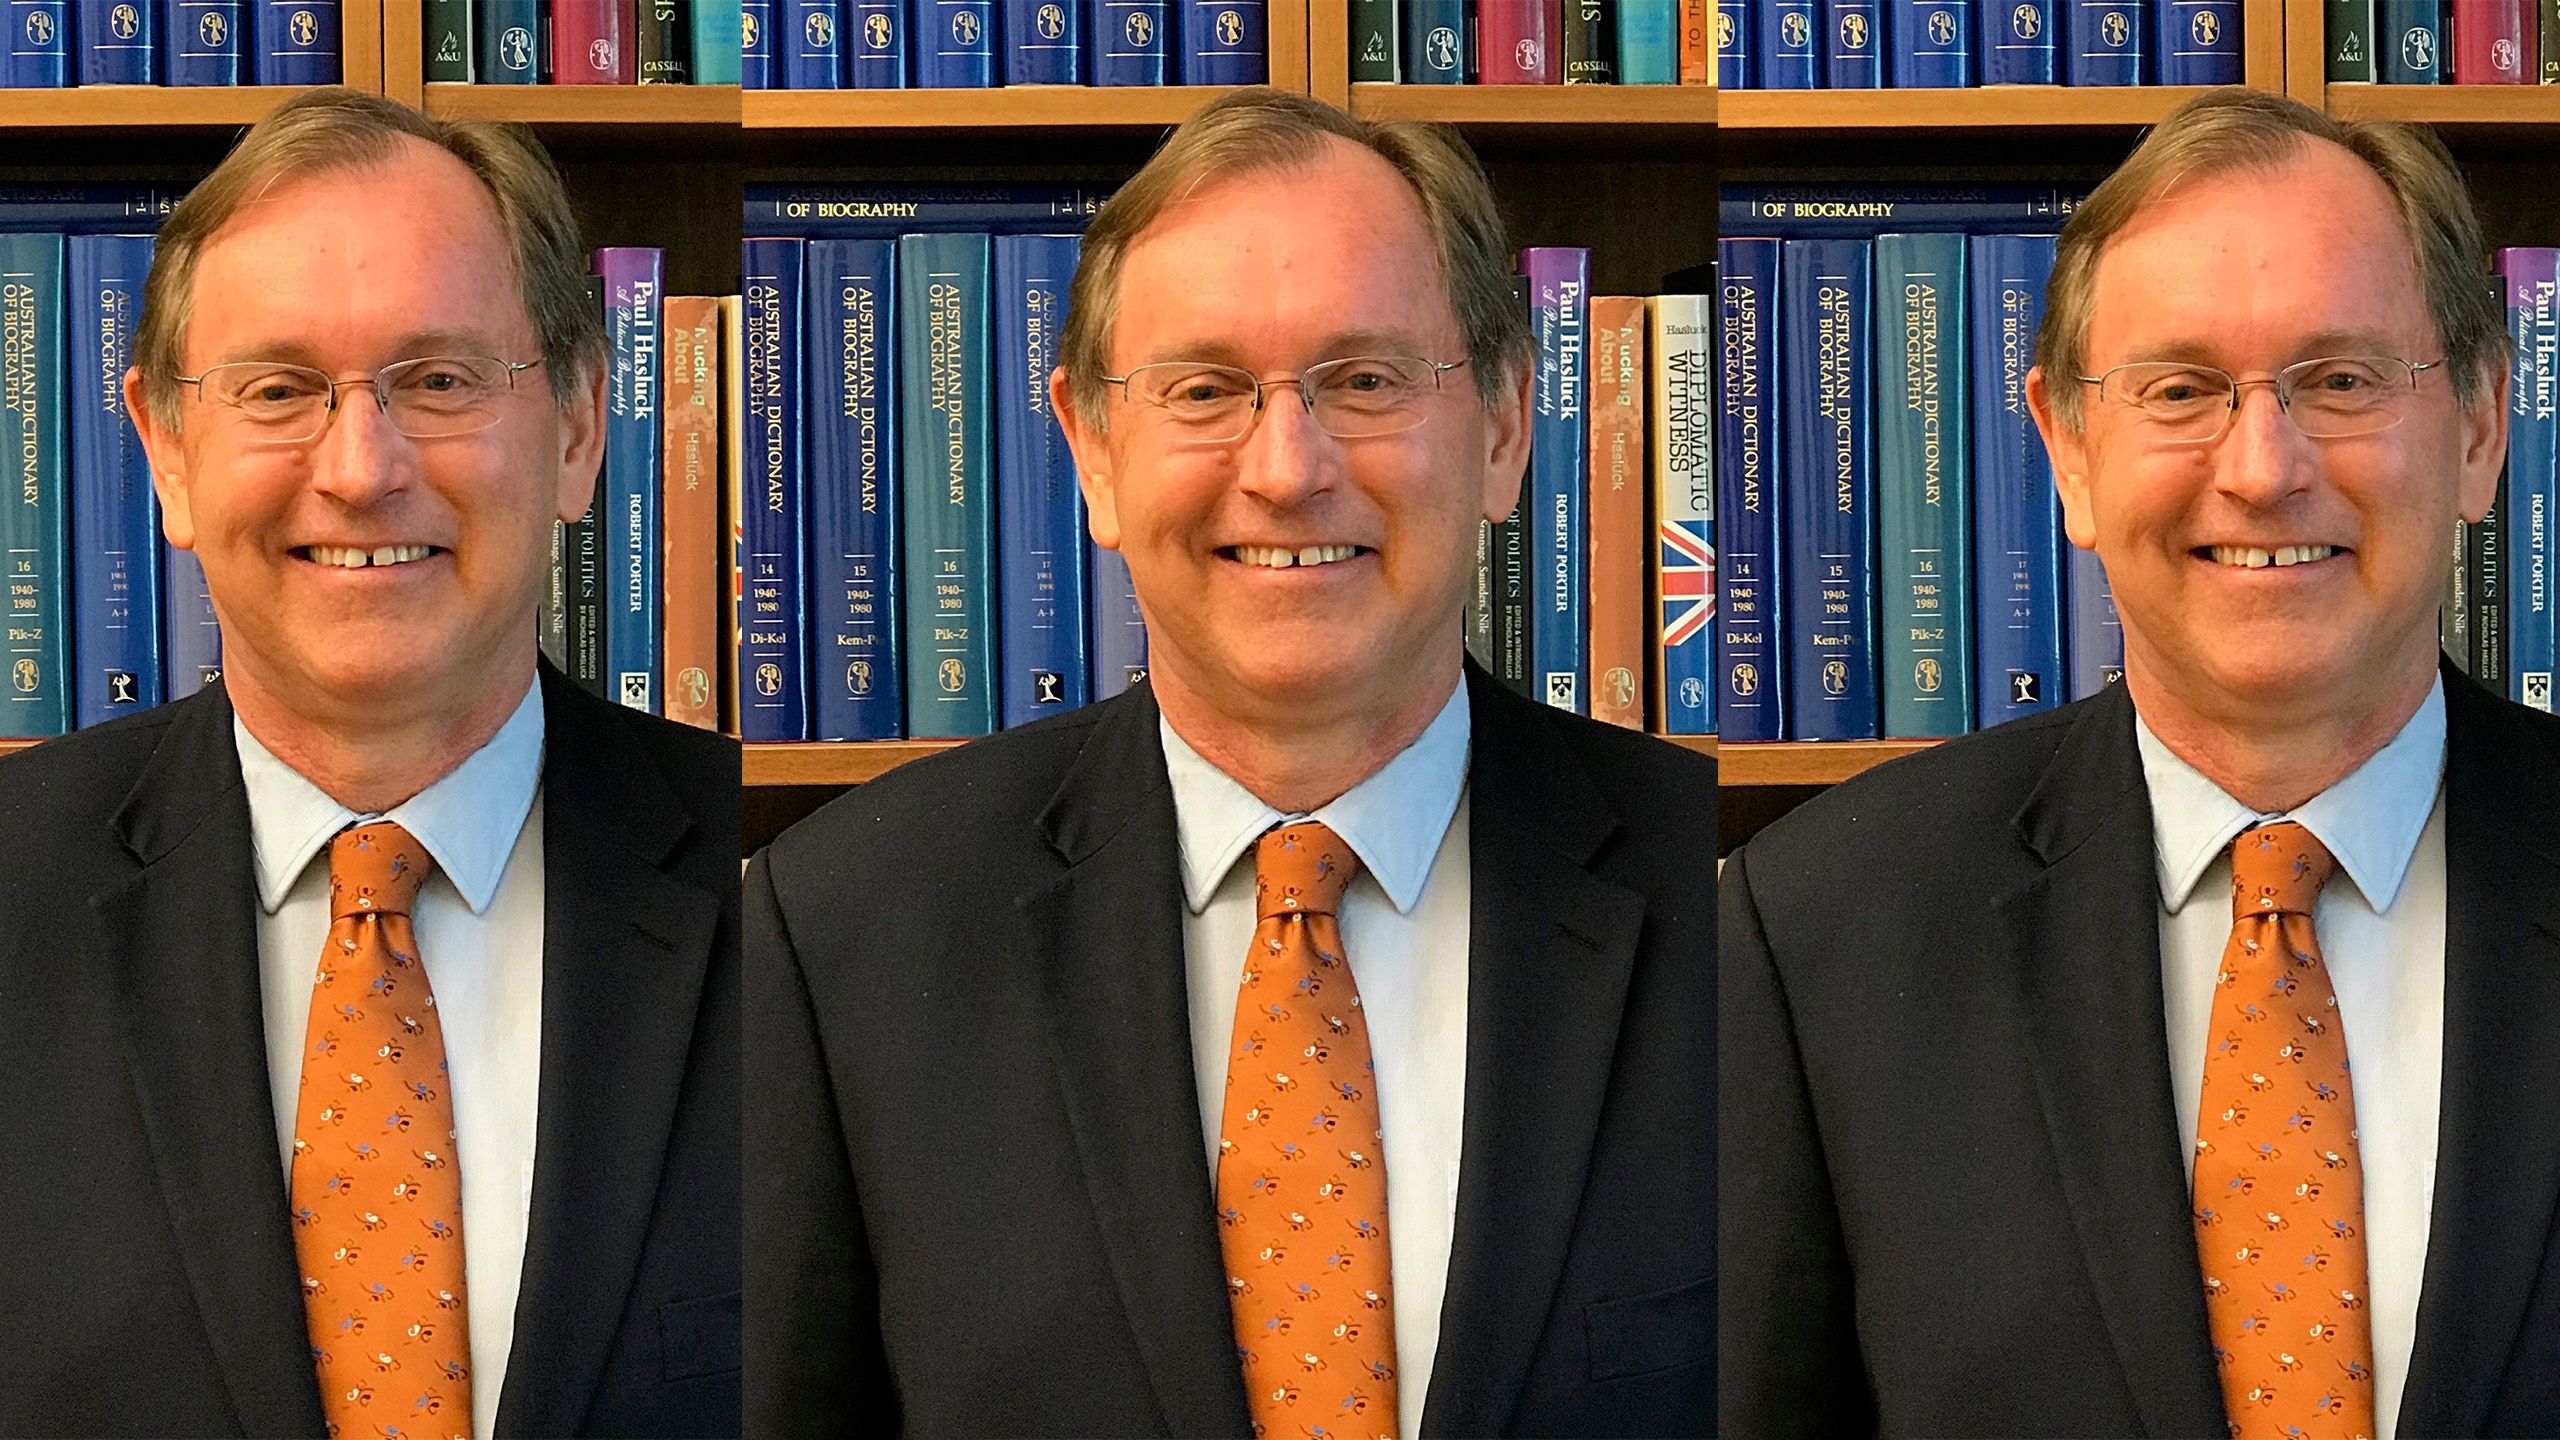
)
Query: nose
[
  {"x": 1287, "y": 458},
  {"x": 360, "y": 458},
  {"x": 2264, "y": 458}
]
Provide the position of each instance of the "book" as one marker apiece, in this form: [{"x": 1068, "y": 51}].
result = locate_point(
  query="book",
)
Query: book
[
  {"x": 2408, "y": 40},
  {"x": 2017, "y": 518},
  {"x": 735, "y": 484},
  {"x": 1374, "y": 35},
  {"x": 2102, "y": 41},
  {"x": 1516, "y": 42},
  {"x": 717, "y": 57},
  {"x": 1869, "y": 210},
  {"x": 585, "y": 583},
  {"x": 510, "y": 42},
  {"x": 757, "y": 46},
  {"x": 1435, "y": 42},
  {"x": 948, "y": 543},
  {"x": 296, "y": 43},
  {"x": 1615, "y": 520},
  {"x": 857, "y": 690},
  {"x": 1225, "y": 42},
  {"x": 1827, "y": 409},
  {"x": 35, "y": 52},
  {"x": 2531, "y": 489},
  {"x": 2494, "y": 42},
  {"x": 449, "y": 52},
  {"x": 1119, "y": 627},
  {"x": 1130, "y": 40},
  {"x": 1476, "y": 621},
  {"x": 2488, "y": 570},
  {"x": 2197, "y": 41},
  {"x": 1929, "y": 44},
  {"x": 1734, "y": 57},
  {"x": 875, "y": 37},
  {"x": 664, "y": 43},
  {"x": 1589, "y": 41},
  {"x": 772, "y": 495},
  {"x": 2017, "y": 42},
  {"x": 1040, "y": 524},
  {"x": 998, "y": 208},
  {"x": 35, "y": 533},
  {"x": 118, "y": 43},
  {"x": 115, "y": 520},
  {"x": 1559, "y": 457},
  {"x": 2547, "y": 42},
  {"x": 690, "y": 513},
  {"x": 2093, "y": 646},
  {"x": 954, "y": 43},
  {"x": 635, "y": 290},
  {"x": 1649, "y": 43},
  {"x": 1681, "y": 406},
  {"x": 591, "y": 43},
  {"x": 1852, "y": 45},
  {"x": 1787, "y": 37},
  {"x": 1749, "y": 697},
  {"x": 1923, "y": 487},
  {"x": 2453, "y": 616},
  {"x": 810, "y": 55},
  {"x": 190, "y": 635},
  {"x": 1044, "y": 44},
  {"x": 2350, "y": 37},
  {"x": 203, "y": 38}
]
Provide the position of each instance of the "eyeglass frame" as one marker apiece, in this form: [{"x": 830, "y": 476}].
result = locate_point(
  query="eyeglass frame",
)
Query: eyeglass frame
[
  {"x": 2275, "y": 382},
  {"x": 1306, "y": 397},
  {"x": 381, "y": 401}
]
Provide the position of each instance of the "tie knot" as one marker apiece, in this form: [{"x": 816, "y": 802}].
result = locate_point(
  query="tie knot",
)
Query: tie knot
[
  {"x": 2277, "y": 869},
  {"x": 375, "y": 870},
  {"x": 1301, "y": 869}
]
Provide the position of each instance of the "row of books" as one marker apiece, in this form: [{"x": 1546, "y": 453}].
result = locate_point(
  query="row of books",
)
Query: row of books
[
  {"x": 2444, "y": 42},
  {"x": 1938, "y": 44},
  {"x": 53, "y": 44},
  {"x": 1893, "y": 561},
  {"x": 1530, "y": 42},
  {"x": 2501, "y": 617},
  {"x": 978, "y": 44},
  {"x": 581, "y": 42}
]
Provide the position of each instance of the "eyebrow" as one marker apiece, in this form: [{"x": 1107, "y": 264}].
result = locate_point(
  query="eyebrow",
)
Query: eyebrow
[
  {"x": 408, "y": 347},
  {"x": 1341, "y": 344},
  {"x": 2310, "y": 347}
]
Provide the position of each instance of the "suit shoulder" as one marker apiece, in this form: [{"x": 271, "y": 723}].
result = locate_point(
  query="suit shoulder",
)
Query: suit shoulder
[
  {"x": 1644, "y": 771},
  {"x": 951, "y": 801},
  {"x": 82, "y": 776},
  {"x": 695, "y": 760}
]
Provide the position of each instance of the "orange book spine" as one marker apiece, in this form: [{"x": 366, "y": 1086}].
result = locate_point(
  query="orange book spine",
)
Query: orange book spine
[
  {"x": 689, "y": 511},
  {"x": 1616, "y": 516},
  {"x": 1697, "y": 52}
]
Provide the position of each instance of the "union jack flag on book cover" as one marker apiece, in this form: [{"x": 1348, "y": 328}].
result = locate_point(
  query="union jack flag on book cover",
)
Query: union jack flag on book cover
[{"x": 1684, "y": 476}]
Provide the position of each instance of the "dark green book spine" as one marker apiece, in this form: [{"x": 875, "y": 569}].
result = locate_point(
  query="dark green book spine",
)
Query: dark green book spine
[
  {"x": 946, "y": 439},
  {"x": 1923, "y": 486},
  {"x": 666, "y": 50},
  {"x": 1590, "y": 43},
  {"x": 1373, "y": 41},
  {"x": 2548, "y": 72},
  {"x": 448, "y": 42},
  {"x": 35, "y": 519},
  {"x": 2351, "y": 39}
]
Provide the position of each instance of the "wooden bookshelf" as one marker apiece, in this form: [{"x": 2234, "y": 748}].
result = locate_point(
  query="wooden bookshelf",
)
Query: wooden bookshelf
[
  {"x": 995, "y": 114},
  {"x": 553, "y": 106},
  {"x": 1825, "y": 762},
  {"x": 1990, "y": 107},
  {"x": 851, "y": 763}
]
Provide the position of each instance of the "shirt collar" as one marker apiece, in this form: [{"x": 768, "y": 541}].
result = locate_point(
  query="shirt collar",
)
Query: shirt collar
[
  {"x": 468, "y": 820},
  {"x": 1393, "y": 820},
  {"x": 2370, "y": 820}
]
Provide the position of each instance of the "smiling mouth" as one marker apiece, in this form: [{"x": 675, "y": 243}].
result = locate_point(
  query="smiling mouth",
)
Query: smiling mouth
[
  {"x": 349, "y": 557},
  {"x": 1275, "y": 557},
  {"x": 2250, "y": 557}
]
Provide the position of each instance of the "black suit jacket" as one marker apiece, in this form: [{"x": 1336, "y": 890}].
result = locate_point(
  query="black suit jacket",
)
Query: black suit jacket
[
  {"x": 1953, "y": 1202},
  {"x": 147, "y": 1276},
  {"x": 979, "y": 1196}
]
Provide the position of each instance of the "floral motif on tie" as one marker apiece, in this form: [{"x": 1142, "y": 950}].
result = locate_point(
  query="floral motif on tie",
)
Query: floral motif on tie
[
  {"x": 1302, "y": 1190},
  {"x": 2279, "y": 1187},
  {"x": 376, "y": 1194}
]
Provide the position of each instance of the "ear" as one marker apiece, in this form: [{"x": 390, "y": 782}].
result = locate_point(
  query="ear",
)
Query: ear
[
  {"x": 581, "y": 447},
  {"x": 2068, "y": 450},
  {"x": 2484, "y": 442},
  {"x": 1092, "y": 449},
  {"x": 1507, "y": 446},
  {"x": 168, "y": 465}
]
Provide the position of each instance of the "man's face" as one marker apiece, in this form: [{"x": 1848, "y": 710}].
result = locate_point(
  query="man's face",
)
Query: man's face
[
  {"x": 1273, "y": 272},
  {"x": 346, "y": 272},
  {"x": 2251, "y": 273}
]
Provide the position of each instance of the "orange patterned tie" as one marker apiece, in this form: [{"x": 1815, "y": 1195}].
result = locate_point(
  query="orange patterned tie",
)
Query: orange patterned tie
[
  {"x": 377, "y": 1198},
  {"x": 1302, "y": 1190},
  {"x": 2279, "y": 1189}
]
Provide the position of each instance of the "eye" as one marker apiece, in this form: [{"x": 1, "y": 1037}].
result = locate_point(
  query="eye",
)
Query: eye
[
  {"x": 2175, "y": 389},
  {"x": 439, "y": 377}
]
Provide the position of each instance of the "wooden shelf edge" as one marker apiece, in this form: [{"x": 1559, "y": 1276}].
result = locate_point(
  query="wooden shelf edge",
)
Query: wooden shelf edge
[
  {"x": 1825, "y": 762},
  {"x": 2456, "y": 105},
  {"x": 2002, "y": 107},
  {"x": 1680, "y": 105},
  {"x": 142, "y": 107},
  {"x": 703, "y": 105},
  {"x": 853, "y": 762},
  {"x": 1021, "y": 107}
]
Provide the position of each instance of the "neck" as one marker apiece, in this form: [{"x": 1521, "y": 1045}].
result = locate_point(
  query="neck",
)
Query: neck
[
  {"x": 1296, "y": 763},
  {"x": 2275, "y": 758},
  {"x": 371, "y": 759}
]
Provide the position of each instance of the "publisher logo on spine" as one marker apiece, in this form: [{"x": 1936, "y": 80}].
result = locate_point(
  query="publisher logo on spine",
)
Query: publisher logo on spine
[
  {"x": 876, "y": 31},
  {"x": 2537, "y": 689},
  {"x": 40, "y": 31},
  {"x": 124, "y": 22},
  {"x": 1230, "y": 29},
  {"x": 2418, "y": 48},
  {"x": 2026, "y": 22},
  {"x": 635, "y": 689},
  {"x": 1440, "y": 48},
  {"x": 212, "y": 28},
  {"x": 965, "y": 27},
  {"x": 1560, "y": 689},
  {"x": 1140, "y": 28},
  {"x": 1050, "y": 21},
  {"x": 515, "y": 47},
  {"x": 2207, "y": 27},
  {"x": 821, "y": 28}
]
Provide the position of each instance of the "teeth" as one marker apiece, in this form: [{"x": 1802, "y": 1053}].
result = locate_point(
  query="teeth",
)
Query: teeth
[
  {"x": 2252, "y": 558},
  {"x": 1277, "y": 558},
  {"x": 350, "y": 558}
]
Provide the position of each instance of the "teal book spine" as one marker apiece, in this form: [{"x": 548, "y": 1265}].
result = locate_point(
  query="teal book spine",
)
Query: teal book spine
[
  {"x": 35, "y": 535},
  {"x": 947, "y": 439},
  {"x": 717, "y": 26},
  {"x": 1924, "y": 487}
]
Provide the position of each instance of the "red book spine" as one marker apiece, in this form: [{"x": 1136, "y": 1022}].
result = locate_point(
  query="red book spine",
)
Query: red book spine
[
  {"x": 2493, "y": 42},
  {"x": 1518, "y": 42},
  {"x": 591, "y": 43}
]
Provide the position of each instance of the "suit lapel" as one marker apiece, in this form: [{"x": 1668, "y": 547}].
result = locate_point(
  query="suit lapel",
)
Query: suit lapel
[
  {"x": 624, "y": 950},
  {"x": 1103, "y": 938},
  {"x": 1551, "y": 948},
  {"x": 177, "y": 938},
  {"x": 2498, "y": 1150},
  {"x": 2081, "y": 937}
]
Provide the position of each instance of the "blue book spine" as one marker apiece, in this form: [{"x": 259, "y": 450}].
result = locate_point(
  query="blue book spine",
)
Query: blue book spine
[
  {"x": 1923, "y": 488},
  {"x": 1788, "y": 37},
  {"x": 118, "y": 40},
  {"x": 948, "y": 545},
  {"x": 1044, "y": 43},
  {"x": 756, "y": 45},
  {"x": 35, "y": 534},
  {"x": 295, "y": 42},
  {"x": 2198, "y": 42},
  {"x": 1829, "y": 650},
  {"x": 1683, "y": 403},
  {"x": 772, "y": 669},
  {"x": 191, "y": 640},
  {"x": 1119, "y": 630},
  {"x": 954, "y": 43},
  {"x": 2094, "y": 654},
  {"x": 1734, "y": 33},
  {"x": 812, "y": 51},
  {"x": 1749, "y": 699},
  {"x": 2017, "y": 42},
  {"x": 510, "y": 41},
  {"x": 855, "y": 683},
  {"x": 37, "y": 49},
  {"x": 115, "y": 522},
  {"x": 1929, "y": 44},
  {"x": 1869, "y": 210},
  {"x": 1559, "y": 465},
  {"x": 1129, "y": 40},
  {"x": 1225, "y": 42},
  {"x": 1648, "y": 42},
  {"x": 2017, "y": 518},
  {"x": 2102, "y": 42},
  {"x": 2532, "y": 490},
  {"x": 876, "y": 37},
  {"x": 1852, "y": 45},
  {"x": 635, "y": 298},
  {"x": 1040, "y": 530},
  {"x": 716, "y": 26},
  {"x": 204, "y": 42},
  {"x": 887, "y": 211},
  {"x": 1435, "y": 42}
]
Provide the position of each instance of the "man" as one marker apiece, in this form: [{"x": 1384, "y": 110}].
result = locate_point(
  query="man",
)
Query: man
[
  {"x": 300, "y": 1144},
  {"x": 1038, "y": 1148},
  {"x": 2076, "y": 1103}
]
